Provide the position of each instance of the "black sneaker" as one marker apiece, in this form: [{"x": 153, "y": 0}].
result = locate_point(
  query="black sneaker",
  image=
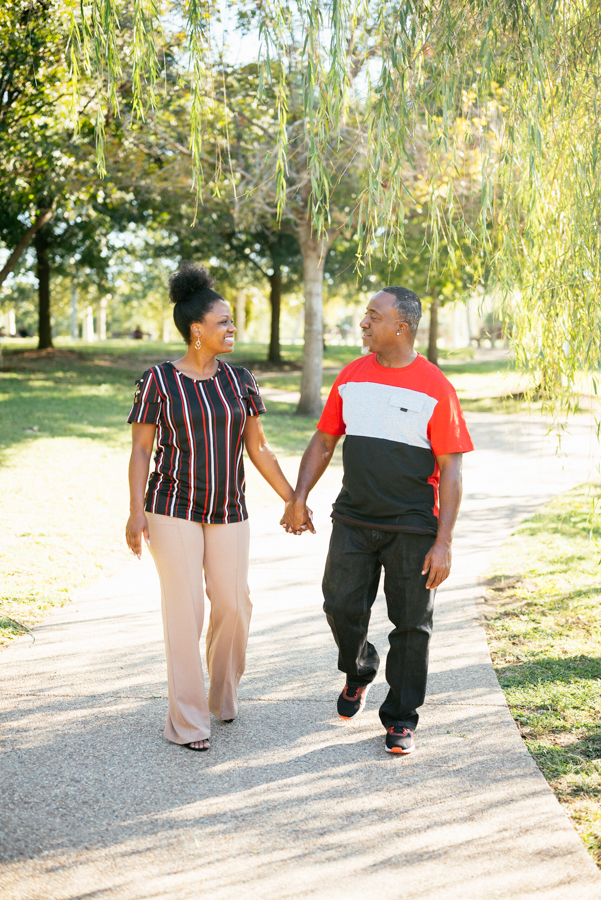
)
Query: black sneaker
[
  {"x": 399, "y": 740},
  {"x": 352, "y": 701}
]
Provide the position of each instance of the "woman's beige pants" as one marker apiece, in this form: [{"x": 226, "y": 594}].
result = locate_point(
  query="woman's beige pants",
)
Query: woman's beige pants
[{"x": 181, "y": 549}]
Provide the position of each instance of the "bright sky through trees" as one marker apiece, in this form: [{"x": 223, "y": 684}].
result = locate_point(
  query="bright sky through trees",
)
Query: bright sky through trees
[{"x": 480, "y": 116}]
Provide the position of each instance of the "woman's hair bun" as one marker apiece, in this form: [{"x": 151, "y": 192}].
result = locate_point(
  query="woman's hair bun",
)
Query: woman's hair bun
[
  {"x": 190, "y": 281},
  {"x": 191, "y": 292}
]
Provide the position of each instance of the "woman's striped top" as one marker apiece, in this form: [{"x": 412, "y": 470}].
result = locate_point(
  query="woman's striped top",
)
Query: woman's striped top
[{"x": 199, "y": 472}]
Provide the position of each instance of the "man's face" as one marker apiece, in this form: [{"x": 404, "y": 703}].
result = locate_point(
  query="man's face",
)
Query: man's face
[{"x": 381, "y": 323}]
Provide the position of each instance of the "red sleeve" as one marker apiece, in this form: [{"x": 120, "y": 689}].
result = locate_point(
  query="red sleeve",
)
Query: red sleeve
[
  {"x": 447, "y": 430},
  {"x": 331, "y": 420}
]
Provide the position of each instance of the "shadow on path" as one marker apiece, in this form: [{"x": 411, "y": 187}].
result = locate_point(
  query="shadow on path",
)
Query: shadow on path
[{"x": 290, "y": 801}]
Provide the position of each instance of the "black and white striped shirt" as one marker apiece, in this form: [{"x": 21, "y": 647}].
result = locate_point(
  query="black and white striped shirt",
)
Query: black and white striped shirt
[{"x": 199, "y": 470}]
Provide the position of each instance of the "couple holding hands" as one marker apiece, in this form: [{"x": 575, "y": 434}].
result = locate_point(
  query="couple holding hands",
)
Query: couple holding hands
[{"x": 404, "y": 439}]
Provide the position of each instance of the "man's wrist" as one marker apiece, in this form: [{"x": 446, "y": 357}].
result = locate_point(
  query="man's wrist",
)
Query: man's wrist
[
  {"x": 445, "y": 539},
  {"x": 299, "y": 498}
]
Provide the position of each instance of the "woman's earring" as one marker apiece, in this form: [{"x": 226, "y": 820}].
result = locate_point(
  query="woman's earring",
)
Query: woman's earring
[{"x": 197, "y": 344}]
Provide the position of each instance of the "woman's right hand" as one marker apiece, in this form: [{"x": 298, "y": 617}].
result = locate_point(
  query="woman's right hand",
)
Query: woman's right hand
[{"x": 137, "y": 525}]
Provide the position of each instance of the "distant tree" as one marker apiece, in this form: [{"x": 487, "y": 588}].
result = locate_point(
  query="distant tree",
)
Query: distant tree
[
  {"x": 275, "y": 254},
  {"x": 48, "y": 176},
  {"x": 241, "y": 253},
  {"x": 30, "y": 44},
  {"x": 231, "y": 222},
  {"x": 51, "y": 193}
]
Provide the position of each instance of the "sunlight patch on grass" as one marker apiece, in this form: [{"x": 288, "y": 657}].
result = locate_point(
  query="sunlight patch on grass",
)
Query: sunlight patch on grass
[
  {"x": 64, "y": 446},
  {"x": 64, "y": 449},
  {"x": 64, "y": 505}
]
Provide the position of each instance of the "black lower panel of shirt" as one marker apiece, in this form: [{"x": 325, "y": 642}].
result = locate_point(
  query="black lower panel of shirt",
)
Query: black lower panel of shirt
[
  {"x": 409, "y": 529},
  {"x": 385, "y": 485}
]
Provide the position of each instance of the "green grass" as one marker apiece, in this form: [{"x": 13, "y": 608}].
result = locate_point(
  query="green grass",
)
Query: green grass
[
  {"x": 545, "y": 642},
  {"x": 88, "y": 395},
  {"x": 85, "y": 390},
  {"x": 155, "y": 351},
  {"x": 64, "y": 447}
]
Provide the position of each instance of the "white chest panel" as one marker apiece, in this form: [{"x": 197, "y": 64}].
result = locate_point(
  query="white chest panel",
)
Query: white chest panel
[{"x": 382, "y": 411}]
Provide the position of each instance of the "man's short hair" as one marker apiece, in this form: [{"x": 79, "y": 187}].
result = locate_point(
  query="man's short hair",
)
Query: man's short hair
[{"x": 408, "y": 304}]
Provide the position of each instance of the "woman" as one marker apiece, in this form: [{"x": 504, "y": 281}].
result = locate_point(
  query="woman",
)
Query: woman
[{"x": 193, "y": 514}]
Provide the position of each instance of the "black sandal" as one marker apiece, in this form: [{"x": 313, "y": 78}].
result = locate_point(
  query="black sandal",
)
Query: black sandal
[{"x": 198, "y": 749}]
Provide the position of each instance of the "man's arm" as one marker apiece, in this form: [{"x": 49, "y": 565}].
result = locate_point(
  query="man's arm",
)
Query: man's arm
[
  {"x": 438, "y": 557},
  {"x": 316, "y": 458}
]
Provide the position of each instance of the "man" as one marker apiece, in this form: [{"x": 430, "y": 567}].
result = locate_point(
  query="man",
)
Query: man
[{"x": 401, "y": 490}]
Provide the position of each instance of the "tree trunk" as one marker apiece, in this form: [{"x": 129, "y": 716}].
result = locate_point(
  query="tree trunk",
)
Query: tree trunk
[
  {"x": 24, "y": 243},
  {"x": 433, "y": 333},
  {"x": 74, "y": 325},
  {"x": 275, "y": 300},
  {"x": 43, "y": 273},
  {"x": 313, "y": 250}
]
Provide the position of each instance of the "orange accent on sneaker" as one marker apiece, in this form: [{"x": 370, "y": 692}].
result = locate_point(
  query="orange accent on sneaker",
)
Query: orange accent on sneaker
[
  {"x": 401, "y": 733},
  {"x": 356, "y": 691}
]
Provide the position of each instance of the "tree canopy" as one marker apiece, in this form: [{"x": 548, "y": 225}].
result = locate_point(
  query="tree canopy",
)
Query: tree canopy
[
  {"x": 343, "y": 120},
  {"x": 482, "y": 113}
]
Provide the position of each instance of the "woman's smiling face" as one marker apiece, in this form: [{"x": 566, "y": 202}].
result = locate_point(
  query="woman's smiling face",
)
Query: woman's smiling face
[{"x": 217, "y": 330}]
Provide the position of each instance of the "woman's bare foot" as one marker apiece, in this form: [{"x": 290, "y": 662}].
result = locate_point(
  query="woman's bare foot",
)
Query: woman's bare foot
[{"x": 199, "y": 745}]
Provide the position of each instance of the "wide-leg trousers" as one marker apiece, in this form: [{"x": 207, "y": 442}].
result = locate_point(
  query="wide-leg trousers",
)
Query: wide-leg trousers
[{"x": 181, "y": 550}]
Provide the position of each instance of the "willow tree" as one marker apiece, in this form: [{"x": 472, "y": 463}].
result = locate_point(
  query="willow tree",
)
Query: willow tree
[
  {"x": 512, "y": 83},
  {"x": 260, "y": 203}
]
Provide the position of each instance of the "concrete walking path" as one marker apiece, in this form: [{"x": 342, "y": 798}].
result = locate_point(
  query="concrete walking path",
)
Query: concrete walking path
[{"x": 290, "y": 801}]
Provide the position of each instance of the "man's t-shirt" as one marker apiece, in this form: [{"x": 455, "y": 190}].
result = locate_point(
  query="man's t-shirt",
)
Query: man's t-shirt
[{"x": 396, "y": 422}]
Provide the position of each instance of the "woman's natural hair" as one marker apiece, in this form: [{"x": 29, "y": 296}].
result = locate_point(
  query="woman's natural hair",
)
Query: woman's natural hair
[{"x": 191, "y": 292}]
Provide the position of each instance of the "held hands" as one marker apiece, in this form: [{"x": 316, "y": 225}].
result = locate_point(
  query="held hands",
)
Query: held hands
[
  {"x": 437, "y": 563},
  {"x": 297, "y": 517},
  {"x": 137, "y": 525}
]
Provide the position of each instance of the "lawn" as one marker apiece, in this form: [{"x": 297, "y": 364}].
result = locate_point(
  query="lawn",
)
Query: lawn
[
  {"x": 64, "y": 446},
  {"x": 543, "y": 621}
]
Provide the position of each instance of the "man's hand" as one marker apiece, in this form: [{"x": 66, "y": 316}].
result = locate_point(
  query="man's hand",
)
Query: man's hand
[
  {"x": 297, "y": 517},
  {"x": 437, "y": 563},
  {"x": 438, "y": 557}
]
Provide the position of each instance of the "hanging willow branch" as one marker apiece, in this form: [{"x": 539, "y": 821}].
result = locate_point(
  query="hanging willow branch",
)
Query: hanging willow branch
[{"x": 480, "y": 113}]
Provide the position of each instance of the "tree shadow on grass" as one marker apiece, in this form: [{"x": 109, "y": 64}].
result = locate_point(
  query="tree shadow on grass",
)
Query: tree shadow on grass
[
  {"x": 90, "y": 397},
  {"x": 557, "y": 601},
  {"x": 541, "y": 670},
  {"x": 61, "y": 398}
]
